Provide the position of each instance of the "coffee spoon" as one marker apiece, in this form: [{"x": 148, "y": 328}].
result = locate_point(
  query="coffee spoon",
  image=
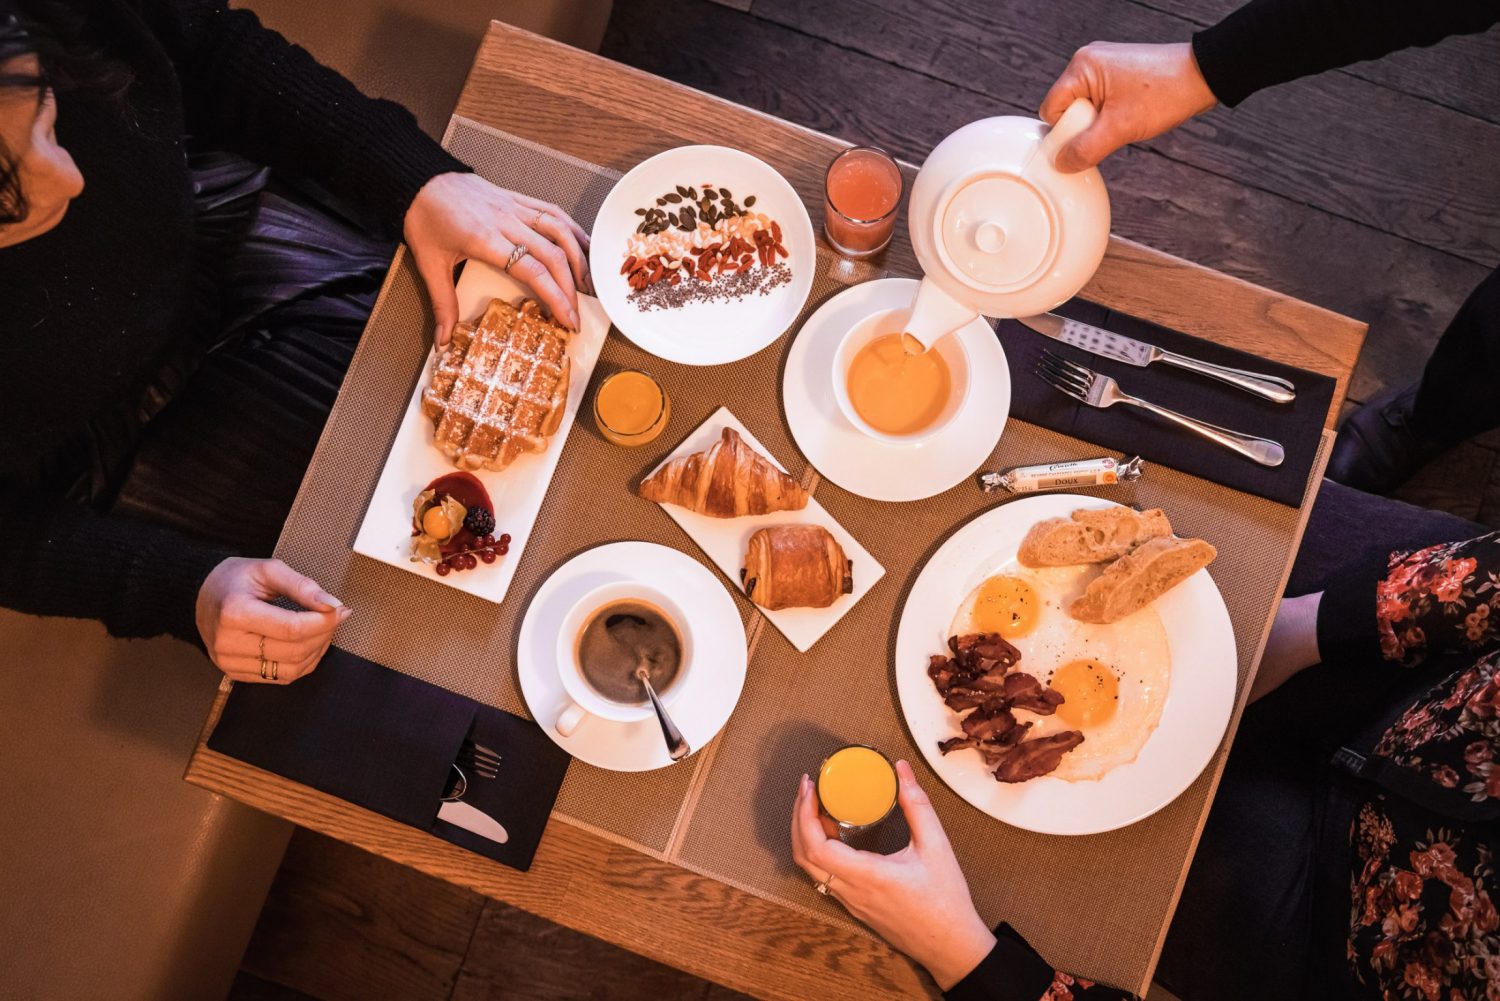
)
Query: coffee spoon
[{"x": 677, "y": 747}]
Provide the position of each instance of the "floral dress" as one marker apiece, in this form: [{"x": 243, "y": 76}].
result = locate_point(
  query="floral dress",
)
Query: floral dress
[{"x": 1422, "y": 918}]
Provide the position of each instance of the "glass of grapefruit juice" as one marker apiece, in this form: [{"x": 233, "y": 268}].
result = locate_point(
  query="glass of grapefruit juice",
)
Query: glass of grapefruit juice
[{"x": 862, "y": 191}]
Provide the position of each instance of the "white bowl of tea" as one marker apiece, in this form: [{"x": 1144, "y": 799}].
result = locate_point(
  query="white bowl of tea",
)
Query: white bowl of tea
[{"x": 893, "y": 391}]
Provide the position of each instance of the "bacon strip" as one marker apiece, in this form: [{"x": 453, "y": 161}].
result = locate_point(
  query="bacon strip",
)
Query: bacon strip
[{"x": 978, "y": 677}]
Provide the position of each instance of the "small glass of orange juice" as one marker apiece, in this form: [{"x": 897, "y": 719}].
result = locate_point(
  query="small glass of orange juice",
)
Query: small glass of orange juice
[
  {"x": 856, "y": 787},
  {"x": 631, "y": 407}
]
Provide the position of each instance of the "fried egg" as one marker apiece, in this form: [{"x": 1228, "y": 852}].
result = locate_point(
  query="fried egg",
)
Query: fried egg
[{"x": 1113, "y": 678}]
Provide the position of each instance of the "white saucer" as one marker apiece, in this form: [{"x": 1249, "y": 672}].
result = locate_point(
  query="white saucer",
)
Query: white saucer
[
  {"x": 859, "y": 463},
  {"x": 700, "y": 712}
]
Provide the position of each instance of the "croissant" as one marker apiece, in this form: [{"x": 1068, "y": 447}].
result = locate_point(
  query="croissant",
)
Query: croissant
[
  {"x": 796, "y": 566},
  {"x": 729, "y": 480}
]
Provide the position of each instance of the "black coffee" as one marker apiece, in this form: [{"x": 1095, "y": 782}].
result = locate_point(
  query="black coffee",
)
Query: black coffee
[{"x": 622, "y": 636}]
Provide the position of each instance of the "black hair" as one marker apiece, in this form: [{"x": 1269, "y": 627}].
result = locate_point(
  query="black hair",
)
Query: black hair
[{"x": 66, "y": 62}]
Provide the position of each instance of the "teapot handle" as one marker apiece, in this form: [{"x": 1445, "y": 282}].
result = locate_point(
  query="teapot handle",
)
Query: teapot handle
[{"x": 1079, "y": 116}]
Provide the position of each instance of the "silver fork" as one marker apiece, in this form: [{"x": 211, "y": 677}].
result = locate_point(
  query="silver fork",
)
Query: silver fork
[
  {"x": 478, "y": 759},
  {"x": 1101, "y": 391}
]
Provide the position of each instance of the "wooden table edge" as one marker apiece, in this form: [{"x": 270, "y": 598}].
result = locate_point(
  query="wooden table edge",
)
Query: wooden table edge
[{"x": 585, "y": 881}]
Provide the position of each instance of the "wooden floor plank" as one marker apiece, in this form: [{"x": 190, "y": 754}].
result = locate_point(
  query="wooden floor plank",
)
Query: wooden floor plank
[
  {"x": 1405, "y": 291},
  {"x": 340, "y": 923},
  {"x": 1457, "y": 73},
  {"x": 563, "y": 965},
  {"x": 1356, "y": 149}
]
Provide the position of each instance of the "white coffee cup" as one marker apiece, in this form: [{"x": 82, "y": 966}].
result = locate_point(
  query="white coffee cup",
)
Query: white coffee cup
[
  {"x": 893, "y": 321},
  {"x": 583, "y": 700}
]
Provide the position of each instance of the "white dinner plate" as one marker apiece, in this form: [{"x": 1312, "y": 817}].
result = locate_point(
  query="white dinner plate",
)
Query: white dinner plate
[
  {"x": 517, "y": 491},
  {"x": 712, "y": 686},
  {"x": 875, "y": 469},
  {"x": 1199, "y": 700},
  {"x": 724, "y": 540},
  {"x": 702, "y": 333}
]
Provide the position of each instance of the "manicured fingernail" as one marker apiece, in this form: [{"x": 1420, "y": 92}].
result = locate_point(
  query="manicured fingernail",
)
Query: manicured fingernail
[
  {"x": 344, "y": 612},
  {"x": 573, "y": 314}
]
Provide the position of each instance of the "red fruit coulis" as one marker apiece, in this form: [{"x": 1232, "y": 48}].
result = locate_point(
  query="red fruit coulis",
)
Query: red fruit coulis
[{"x": 468, "y": 491}]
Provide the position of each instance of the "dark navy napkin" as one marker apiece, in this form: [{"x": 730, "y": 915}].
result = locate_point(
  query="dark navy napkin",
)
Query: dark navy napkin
[
  {"x": 386, "y": 741},
  {"x": 1298, "y": 426}
]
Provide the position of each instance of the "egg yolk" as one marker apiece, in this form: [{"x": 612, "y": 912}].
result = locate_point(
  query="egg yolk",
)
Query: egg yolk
[
  {"x": 1006, "y": 605},
  {"x": 1089, "y": 690}
]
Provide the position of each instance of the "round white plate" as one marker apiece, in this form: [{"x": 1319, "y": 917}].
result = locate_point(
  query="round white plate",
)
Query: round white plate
[
  {"x": 1199, "y": 698},
  {"x": 703, "y": 333},
  {"x": 854, "y": 460},
  {"x": 700, "y": 712}
]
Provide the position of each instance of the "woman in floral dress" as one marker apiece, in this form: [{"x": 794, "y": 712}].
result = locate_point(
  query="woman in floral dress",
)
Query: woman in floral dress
[{"x": 1351, "y": 845}]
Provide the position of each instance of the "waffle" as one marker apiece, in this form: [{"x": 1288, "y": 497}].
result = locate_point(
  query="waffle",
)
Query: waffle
[{"x": 500, "y": 388}]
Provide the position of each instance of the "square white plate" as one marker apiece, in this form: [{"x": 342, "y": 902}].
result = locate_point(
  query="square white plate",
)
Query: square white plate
[
  {"x": 724, "y": 540},
  {"x": 413, "y": 462}
]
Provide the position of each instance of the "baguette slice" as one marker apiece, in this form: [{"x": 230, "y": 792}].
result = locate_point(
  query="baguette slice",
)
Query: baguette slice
[
  {"x": 1091, "y": 535},
  {"x": 1138, "y": 578}
]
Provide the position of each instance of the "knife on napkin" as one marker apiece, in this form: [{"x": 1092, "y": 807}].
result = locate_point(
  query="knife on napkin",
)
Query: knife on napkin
[
  {"x": 461, "y": 814},
  {"x": 1097, "y": 340}
]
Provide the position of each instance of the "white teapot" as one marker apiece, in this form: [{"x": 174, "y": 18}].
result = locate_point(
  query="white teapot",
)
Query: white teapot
[{"x": 998, "y": 229}]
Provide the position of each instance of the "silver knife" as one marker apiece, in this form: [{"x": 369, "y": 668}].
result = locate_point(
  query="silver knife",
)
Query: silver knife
[
  {"x": 461, "y": 814},
  {"x": 1099, "y": 341}
]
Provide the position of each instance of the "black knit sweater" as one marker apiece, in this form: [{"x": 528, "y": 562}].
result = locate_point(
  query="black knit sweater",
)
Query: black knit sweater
[
  {"x": 1267, "y": 42},
  {"x": 91, "y": 311}
]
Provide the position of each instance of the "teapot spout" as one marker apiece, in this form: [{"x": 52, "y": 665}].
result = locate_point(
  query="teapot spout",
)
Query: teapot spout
[{"x": 935, "y": 314}]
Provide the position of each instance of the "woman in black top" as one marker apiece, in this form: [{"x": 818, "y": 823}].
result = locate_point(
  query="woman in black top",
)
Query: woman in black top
[
  {"x": 1350, "y": 851},
  {"x": 175, "y": 318}
]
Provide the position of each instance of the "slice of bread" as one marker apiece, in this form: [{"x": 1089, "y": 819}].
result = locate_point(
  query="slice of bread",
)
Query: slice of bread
[
  {"x": 1091, "y": 535},
  {"x": 1138, "y": 578}
]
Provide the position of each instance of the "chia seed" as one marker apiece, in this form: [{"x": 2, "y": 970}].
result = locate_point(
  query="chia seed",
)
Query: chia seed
[{"x": 723, "y": 288}]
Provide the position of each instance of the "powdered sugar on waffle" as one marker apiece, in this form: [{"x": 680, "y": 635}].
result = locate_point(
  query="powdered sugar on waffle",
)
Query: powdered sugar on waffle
[{"x": 499, "y": 390}]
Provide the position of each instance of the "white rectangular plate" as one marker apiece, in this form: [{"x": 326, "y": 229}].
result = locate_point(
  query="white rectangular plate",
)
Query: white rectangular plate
[
  {"x": 724, "y": 540},
  {"x": 385, "y": 533}
]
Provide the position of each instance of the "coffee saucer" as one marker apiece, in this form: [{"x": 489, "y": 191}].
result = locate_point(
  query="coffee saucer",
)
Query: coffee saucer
[
  {"x": 711, "y": 689},
  {"x": 881, "y": 470}
]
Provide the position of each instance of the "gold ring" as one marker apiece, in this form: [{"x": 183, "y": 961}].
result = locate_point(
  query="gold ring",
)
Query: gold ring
[
  {"x": 265, "y": 667},
  {"x": 540, "y": 215},
  {"x": 262, "y": 648},
  {"x": 275, "y": 668},
  {"x": 518, "y": 252}
]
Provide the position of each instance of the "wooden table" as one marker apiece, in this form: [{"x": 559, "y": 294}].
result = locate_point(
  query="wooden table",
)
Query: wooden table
[{"x": 615, "y": 116}]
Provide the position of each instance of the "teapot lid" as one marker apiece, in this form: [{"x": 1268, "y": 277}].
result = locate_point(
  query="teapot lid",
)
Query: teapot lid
[{"x": 997, "y": 231}]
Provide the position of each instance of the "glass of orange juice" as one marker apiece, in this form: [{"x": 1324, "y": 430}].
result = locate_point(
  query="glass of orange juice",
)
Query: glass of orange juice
[
  {"x": 631, "y": 407},
  {"x": 862, "y": 190},
  {"x": 856, "y": 787}
]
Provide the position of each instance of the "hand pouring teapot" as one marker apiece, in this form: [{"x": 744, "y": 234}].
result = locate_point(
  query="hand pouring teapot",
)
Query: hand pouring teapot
[{"x": 998, "y": 229}]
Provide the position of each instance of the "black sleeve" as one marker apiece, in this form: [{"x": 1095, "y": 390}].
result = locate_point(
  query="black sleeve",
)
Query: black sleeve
[
  {"x": 1014, "y": 971},
  {"x": 1267, "y": 42},
  {"x": 1402, "y": 607},
  {"x": 246, "y": 89},
  {"x": 65, "y": 559}
]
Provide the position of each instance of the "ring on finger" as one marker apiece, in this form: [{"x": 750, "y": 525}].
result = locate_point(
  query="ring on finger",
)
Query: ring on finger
[
  {"x": 265, "y": 669},
  {"x": 276, "y": 668},
  {"x": 517, "y": 252},
  {"x": 537, "y": 219},
  {"x": 822, "y": 885}
]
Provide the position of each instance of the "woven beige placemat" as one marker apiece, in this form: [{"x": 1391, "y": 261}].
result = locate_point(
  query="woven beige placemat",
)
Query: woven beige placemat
[{"x": 726, "y": 812}]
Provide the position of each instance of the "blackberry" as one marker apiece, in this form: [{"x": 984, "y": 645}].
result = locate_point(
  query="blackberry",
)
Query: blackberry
[{"x": 480, "y": 522}]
